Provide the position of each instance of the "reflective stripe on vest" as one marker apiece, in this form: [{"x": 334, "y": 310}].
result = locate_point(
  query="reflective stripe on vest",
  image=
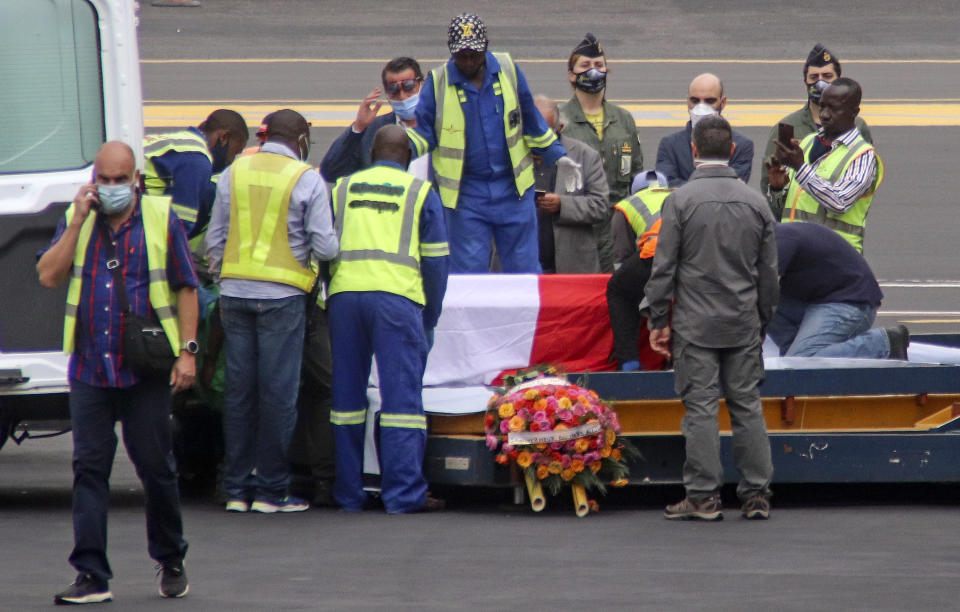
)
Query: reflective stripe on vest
[
  {"x": 450, "y": 132},
  {"x": 801, "y": 206},
  {"x": 155, "y": 212},
  {"x": 377, "y": 218},
  {"x": 403, "y": 421},
  {"x": 159, "y": 144},
  {"x": 642, "y": 211},
  {"x": 258, "y": 247},
  {"x": 357, "y": 417}
]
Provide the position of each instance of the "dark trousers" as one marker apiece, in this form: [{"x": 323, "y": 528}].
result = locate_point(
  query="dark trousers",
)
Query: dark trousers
[
  {"x": 624, "y": 293},
  {"x": 144, "y": 411},
  {"x": 311, "y": 448}
]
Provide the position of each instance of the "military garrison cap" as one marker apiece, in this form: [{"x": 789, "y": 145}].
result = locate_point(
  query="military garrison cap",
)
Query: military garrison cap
[
  {"x": 467, "y": 32},
  {"x": 588, "y": 47},
  {"x": 821, "y": 56}
]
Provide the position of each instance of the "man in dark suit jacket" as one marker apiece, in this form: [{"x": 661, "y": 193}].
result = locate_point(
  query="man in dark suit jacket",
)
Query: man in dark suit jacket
[{"x": 675, "y": 156}]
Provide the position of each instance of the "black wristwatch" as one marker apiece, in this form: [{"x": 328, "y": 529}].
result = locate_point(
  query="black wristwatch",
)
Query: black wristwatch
[{"x": 191, "y": 347}]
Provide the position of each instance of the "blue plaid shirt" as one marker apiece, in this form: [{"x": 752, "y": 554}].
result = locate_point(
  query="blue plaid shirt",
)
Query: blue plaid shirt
[{"x": 98, "y": 358}]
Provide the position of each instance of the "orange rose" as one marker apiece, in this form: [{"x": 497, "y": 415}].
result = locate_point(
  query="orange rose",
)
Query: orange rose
[
  {"x": 582, "y": 445},
  {"x": 619, "y": 482},
  {"x": 616, "y": 455},
  {"x": 541, "y": 446},
  {"x": 595, "y": 466},
  {"x": 605, "y": 452},
  {"x": 555, "y": 467},
  {"x": 542, "y": 472},
  {"x": 611, "y": 437},
  {"x": 594, "y": 506},
  {"x": 568, "y": 474},
  {"x": 502, "y": 459},
  {"x": 517, "y": 423},
  {"x": 506, "y": 410},
  {"x": 560, "y": 392},
  {"x": 540, "y": 404},
  {"x": 524, "y": 460},
  {"x": 577, "y": 465},
  {"x": 560, "y": 427}
]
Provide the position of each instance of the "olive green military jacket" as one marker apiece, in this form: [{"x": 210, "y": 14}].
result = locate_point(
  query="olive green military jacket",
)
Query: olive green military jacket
[{"x": 802, "y": 122}]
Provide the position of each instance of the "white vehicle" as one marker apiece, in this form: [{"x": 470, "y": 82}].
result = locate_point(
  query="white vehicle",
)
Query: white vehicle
[{"x": 71, "y": 81}]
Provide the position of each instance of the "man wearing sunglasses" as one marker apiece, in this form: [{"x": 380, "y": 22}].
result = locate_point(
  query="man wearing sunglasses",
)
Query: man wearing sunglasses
[{"x": 401, "y": 78}]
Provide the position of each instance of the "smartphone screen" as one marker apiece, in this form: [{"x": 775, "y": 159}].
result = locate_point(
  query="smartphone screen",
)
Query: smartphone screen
[{"x": 784, "y": 133}]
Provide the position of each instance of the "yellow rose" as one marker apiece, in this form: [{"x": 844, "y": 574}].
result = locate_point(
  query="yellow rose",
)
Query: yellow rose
[
  {"x": 531, "y": 394},
  {"x": 506, "y": 410},
  {"x": 610, "y": 437},
  {"x": 542, "y": 472},
  {"x": 560, "y": 427},
  {"x": 517, "y": 423},
  {"x": 565, "y": 402},
  {"x": 582, "y": 445},
  {"x": 568, "y": 474},
  {"x": 555, "y": 467},
  {"x": 524, "y": 459}
]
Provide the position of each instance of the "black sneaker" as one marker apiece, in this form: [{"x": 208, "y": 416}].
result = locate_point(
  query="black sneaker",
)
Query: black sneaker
[
  {"x": 899, "y": 337},
  {"x": 84, "y": 590},
  {"x": 173, "y": 579}
]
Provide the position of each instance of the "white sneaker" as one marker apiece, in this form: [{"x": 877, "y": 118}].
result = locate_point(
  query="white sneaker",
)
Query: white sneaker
[{"x": 237, "y": 505}]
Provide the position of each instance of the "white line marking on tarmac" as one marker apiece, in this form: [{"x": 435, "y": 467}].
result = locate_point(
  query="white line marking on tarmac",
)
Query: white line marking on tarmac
[
  {"x": 323, "y": 60},
  {"x": 922, "y": 284},
  {"x": 920, "y": 313}
]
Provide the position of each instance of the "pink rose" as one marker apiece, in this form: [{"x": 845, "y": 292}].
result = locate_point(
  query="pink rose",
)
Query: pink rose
[
  {"x": 565, "y": 415},
  {"x": 507, "y": 448},
  {"x": 524, "y": 414},
  {"x": 492, "y": 442},
  {"x": 539, "y": 415},
  {"x": 505, "y": 426},
  {"x": 579, "y": 410},
  {"x": 556, "y": 446},
  {"x": 565, "y": 461}
]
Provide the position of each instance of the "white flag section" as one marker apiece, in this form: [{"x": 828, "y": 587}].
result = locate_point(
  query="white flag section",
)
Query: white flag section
[{"x": 487, "y": 325}]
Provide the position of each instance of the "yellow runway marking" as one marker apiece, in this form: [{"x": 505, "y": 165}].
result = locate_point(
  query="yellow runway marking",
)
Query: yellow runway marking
[{"x": 659, "y": 114}]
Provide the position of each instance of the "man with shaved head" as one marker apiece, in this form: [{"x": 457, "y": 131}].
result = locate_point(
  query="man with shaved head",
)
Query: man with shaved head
[
  {"x": 386, "y": 291},
  {"x": 124, "y": 254},
  {"x": 705, "y": 98},
  {"x": 271, "y": 220}
]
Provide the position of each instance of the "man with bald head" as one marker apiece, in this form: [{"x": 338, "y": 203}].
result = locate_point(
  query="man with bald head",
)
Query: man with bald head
[
  {"x": 830, "y": 176},
  {"x": 567, "y": 211},
  {"x": 386, "y": 291},
  {"x": 271, "y": 220},
  {"x": 705, "y": 98},
  {"x": 124, "y": 254}
]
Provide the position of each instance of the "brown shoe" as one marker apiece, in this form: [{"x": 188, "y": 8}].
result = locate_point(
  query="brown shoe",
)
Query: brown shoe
[
  {"x": 756, "y": 508},
  {"x": 434, "y": 504},
  {"x": 708, "y": 509}
]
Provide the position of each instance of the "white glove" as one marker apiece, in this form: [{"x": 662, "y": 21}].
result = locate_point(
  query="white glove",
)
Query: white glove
[{"x": 575, "y": 177}]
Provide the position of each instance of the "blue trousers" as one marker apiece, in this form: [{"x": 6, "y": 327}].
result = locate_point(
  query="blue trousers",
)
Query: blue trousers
[
  {"x": 390, "y": 328},
  {"x": 512, "y": 224},
  {"x": 264, "y": 345},
  {"x": 827, "y": 330},
  {"x": 144, "y": 411}
]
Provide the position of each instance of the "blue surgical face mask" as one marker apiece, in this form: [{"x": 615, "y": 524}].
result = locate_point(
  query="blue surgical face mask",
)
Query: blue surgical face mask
[
  {"x": 115, "y": 199},
  {"x": 406, "y": 109}
]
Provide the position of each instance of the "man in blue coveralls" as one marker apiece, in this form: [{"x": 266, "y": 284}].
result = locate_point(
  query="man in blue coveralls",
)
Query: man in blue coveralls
[
  {"x": 386, "y": 292},
  {"x": 477, "y": 116}
]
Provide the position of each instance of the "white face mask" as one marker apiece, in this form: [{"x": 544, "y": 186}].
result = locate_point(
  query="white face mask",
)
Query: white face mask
[{"x": 700, "y": 111}]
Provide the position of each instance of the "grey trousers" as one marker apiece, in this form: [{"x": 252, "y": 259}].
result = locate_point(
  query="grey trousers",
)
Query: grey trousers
[{"x": 701, "y": 376}]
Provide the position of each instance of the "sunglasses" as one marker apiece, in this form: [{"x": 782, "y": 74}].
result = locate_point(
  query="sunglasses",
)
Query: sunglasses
[{"x": 393, "y": 88}]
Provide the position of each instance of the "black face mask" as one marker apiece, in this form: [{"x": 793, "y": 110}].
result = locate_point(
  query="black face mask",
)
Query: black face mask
[
  {"x": 219, "y": 155},
  {"x": 591, "y": 81}
]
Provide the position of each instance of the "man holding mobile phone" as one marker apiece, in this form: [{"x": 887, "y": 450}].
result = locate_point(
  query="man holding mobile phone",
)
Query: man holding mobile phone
[
  {"x": 149, "y": 245},
  {"x": 821, "y": 68}
]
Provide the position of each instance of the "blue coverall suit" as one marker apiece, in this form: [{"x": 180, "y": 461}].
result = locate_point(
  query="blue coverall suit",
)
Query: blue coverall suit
[
  {"x": 394, "y": 329},
  {"x": 489, "y": 204}
]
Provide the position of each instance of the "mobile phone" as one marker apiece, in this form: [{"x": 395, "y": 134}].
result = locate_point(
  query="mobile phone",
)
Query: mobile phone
[
  {"x": 539, "y": 193},
  {"x": 785, "y": 134}
]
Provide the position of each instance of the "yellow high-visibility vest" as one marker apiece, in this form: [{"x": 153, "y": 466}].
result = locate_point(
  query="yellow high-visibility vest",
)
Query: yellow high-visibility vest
[
  {"x": 642, "y": 211},
  {"x": 156, "y": 145},
  {"x": 377, "y": 214},
  {"x": 450, "y": 132},
  {"x": 155, "y": 211},
  {"x": 801, "y": 206},
  {"x": 258, "y": 247}
]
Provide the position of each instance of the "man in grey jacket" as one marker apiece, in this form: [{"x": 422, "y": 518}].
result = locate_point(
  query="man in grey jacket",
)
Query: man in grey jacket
[
  {"x": 566, "y": 211},
  {"x": 716, "y": 262}
]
